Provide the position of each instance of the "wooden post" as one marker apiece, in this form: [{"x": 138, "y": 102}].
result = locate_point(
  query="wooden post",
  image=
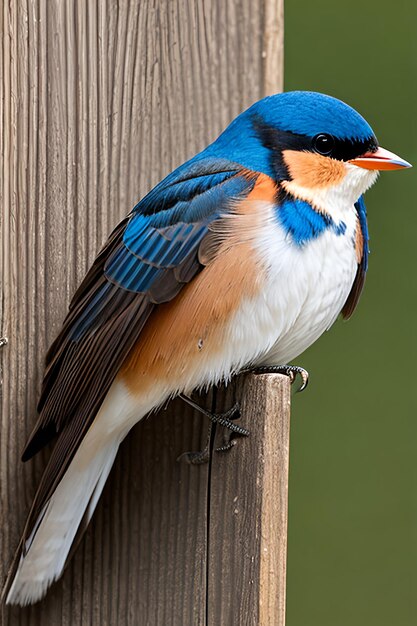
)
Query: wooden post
[
  {"x": 247, "y": 525},
  {"x": 99, "y": 101}
]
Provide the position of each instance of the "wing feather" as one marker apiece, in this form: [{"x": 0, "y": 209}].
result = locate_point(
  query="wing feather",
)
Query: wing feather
[
  {"x": 146, "y": 261},
  {"x": 359, "y": 282}
]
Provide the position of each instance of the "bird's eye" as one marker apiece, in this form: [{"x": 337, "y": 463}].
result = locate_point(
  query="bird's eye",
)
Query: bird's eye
[{"x": 323, "y": 144}]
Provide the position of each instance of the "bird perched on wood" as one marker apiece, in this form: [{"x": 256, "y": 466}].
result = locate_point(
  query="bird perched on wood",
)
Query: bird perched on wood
[{"x": 240, "y": 258}]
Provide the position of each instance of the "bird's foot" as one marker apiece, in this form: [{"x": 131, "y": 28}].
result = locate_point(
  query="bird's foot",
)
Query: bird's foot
[
  {"x": 292, "y": 371},
  {"x": 198, "y": 457},
  {"x": 225, "y": 419}
]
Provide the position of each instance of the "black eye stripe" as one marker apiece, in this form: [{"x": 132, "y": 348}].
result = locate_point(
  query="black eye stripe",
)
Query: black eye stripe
[
  {"x": 346, "y": 149},
  {"x": 277, "y": 140}
]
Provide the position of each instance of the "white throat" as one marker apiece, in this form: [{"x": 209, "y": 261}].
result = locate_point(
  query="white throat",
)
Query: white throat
[{"x": 339, "y": 198}]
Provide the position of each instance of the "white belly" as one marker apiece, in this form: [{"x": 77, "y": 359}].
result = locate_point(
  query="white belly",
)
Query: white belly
[
  {"x": 306, "y": 289},
  {"x": 317, "y": 281}
]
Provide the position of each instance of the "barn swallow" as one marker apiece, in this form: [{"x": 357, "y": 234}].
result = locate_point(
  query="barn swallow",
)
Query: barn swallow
[{"x": 240, "y": 258}]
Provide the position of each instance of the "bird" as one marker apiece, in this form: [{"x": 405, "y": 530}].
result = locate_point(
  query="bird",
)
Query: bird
[{"x": 239, "y": 259}]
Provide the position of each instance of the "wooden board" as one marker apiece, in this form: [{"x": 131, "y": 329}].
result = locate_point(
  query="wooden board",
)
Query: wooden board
[{"x": 99, "y": 101}]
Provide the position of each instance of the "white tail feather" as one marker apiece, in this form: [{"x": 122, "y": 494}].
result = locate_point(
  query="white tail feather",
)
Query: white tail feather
[
  {"x": 73, "y": 501},
  {"x": 48, "y": 546},
  {"x": 76, "y": 496}
]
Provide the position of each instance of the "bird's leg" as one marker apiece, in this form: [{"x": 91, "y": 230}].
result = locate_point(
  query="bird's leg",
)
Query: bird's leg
[
  {"x": 223, "y": 419},
  {"x": 288, "y": 370},
  {"x": 201, "y": 456}
]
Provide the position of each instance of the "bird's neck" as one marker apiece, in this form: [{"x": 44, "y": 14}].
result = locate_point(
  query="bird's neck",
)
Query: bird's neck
[
  {"x": 338, "y": 200},
  {"x": 303, "y": 221}
]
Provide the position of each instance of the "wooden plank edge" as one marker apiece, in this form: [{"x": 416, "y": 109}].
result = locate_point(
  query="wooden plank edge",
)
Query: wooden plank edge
[
  {"x": 273, "y": 48},
  {"x": 275, "y": 389}
]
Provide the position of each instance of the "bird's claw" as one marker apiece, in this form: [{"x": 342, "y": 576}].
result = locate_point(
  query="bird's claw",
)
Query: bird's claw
[
  {"x": 195, "y": 458},
  {"x": 226, "y": 420},
  {"x": 292, "y": 371},
  {"x": 233, "y": 429},
  {"x": 228, "y": 444}
]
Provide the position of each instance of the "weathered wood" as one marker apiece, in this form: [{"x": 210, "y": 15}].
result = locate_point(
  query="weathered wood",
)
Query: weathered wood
[
  {"x": 248, "y": 510},
  {"x": 99, "y": 101}
]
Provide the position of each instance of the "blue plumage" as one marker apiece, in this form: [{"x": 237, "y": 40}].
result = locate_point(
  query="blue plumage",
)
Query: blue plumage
[
  {"x": 301, "y": 113},
  {"x": 171, "y": 221},
  {"x": 187, "y": 183},
  {"x": 303, "y": 223},
  {"x": 361, "y": 211},
  {"x": 309, "y": 113}
]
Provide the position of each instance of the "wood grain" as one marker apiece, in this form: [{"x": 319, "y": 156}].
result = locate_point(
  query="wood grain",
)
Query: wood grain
[
  {"x": 99, "y": 101},
  {"x": 273, "y": 52}
]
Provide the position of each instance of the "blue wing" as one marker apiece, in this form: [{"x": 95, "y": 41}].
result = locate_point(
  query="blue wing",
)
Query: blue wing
[
  {"x": 169, "y": 223},
  {"x": 363, "y": 222},
  {"x": 146, "y": 261}
]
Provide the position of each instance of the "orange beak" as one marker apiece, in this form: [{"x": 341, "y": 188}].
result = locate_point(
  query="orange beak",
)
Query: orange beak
[{"x": 380, "y": 160}]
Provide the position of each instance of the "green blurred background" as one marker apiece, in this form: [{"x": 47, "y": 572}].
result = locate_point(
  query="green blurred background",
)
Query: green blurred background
[{"x": 352, "y": 557}]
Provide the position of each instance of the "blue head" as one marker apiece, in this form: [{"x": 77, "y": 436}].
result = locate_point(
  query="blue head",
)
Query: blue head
[{"x": 298, "y": 120}]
